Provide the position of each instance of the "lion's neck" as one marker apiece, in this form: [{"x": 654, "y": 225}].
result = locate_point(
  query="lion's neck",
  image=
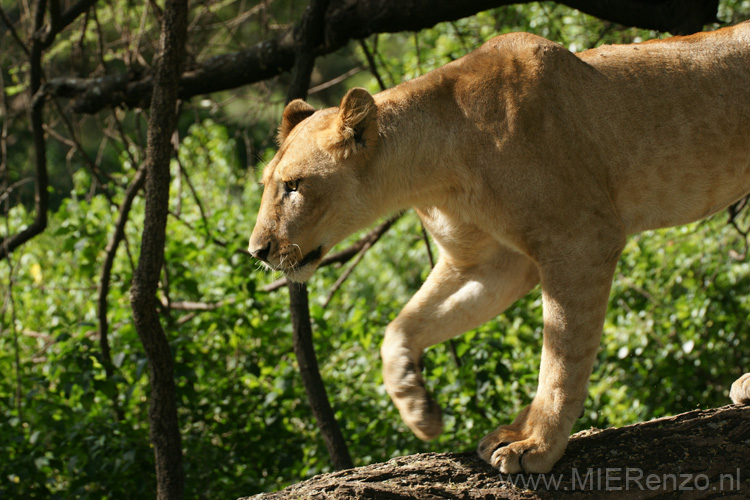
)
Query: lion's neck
[{"x": 413, "y": 166}]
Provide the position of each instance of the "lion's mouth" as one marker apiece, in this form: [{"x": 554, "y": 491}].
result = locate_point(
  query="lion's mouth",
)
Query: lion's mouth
[{"x": 311, "y": 256}]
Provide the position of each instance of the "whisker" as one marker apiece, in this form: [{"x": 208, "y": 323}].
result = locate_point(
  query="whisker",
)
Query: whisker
[{"x": 298, "y": 249}]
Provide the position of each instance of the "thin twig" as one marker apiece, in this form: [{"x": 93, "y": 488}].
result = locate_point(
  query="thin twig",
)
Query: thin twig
[
  {"x": 104, "y": 279},
  {"x": 371, "y": 63},
  {"x": 100, "y": 43},
  {"x": 64, "y": 19},
  {"x": 345, "y": 274},
  {"x": 427, "y": 245},
  {"x": 334, "y": 81},
  {"x": 7, "y": 191},
  {"x": 197, "y": 199},
  {"x": 9, "y": 302},
  {"x": 460, "y": 35},
  {"x": 187, "y": 305},
  {"x": 99, "y": 175},
  {"x": 734, "y": 211},
  {"x": 13, "y": 32}
]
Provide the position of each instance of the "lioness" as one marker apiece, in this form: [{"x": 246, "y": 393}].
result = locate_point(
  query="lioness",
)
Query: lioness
[{"x": 528, "y": 164}]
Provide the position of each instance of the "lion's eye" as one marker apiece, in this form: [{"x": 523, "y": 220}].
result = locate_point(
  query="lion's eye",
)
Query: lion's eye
[{"x": 291, "y": 185}]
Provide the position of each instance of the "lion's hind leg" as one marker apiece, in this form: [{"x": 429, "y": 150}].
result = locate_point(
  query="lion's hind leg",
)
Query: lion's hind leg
[{"x": 740, "y": 392}]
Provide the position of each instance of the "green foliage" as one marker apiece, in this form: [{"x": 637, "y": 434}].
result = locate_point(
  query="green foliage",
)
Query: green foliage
[{"x": 673, "y": 339}]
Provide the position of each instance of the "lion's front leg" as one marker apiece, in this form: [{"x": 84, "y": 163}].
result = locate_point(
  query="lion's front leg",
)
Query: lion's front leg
[
  {"x": 575, "y": 300},
  {"x": 453, "y": 300}
]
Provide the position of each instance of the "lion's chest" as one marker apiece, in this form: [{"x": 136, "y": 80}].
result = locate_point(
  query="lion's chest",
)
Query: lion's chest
[{"x": 460, "y": 235}]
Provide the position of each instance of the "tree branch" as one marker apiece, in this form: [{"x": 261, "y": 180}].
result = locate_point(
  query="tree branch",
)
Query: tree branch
[
  {"x": 13, "y": 32},
  {"x": 698, "y": 454},
  {"x": 734, "y": 211},
  {"x": 678, "y": 17},
  {"x": 343, "y": 277},
  {"x": 40, "y": 40},
  {"x": 104, "y": 278},
  {"x": 346, "y": 20},
  {"x": 41, "y": 196},
  {"x": 67, "y": 17}
]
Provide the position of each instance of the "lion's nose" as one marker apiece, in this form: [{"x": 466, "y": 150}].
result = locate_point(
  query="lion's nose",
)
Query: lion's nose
[{"x": 262, "y": 253}]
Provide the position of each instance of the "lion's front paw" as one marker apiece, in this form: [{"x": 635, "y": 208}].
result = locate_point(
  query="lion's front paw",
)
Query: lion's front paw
[
  {"x": 740, "y": 392},
  {"x": 501, "y": 450},
  {"x": 532, "y": 443}
]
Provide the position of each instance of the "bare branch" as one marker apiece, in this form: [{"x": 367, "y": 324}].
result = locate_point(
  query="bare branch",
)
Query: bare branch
[
  {"x": 345, "y": 274},
  {"x": 371, "y": 64},
  {"x": 106, "y": 273},
  {"x": 110, "y": 252},
  {"x": 61, "y": 21},
  {"x": 734, "y": 211},
  {"x": 187, "y": 305},
  {"x": 676, "y": 17},
  {"x": 98, "y": 174},
  {"x": 41, "y": 197},
  {"x": 13, "y": 32},
  {"x": 334, "y": 81}
]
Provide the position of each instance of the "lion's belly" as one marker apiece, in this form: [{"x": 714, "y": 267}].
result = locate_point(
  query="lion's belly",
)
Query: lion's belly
[{"x": 687, "y": 192}]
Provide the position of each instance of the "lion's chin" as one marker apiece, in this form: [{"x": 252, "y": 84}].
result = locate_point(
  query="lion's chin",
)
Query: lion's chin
[
  {"x": 301, "y": 274},
  {"x": 306, "y": 267}
]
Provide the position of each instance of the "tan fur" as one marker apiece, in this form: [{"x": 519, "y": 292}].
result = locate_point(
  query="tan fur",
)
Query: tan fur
[{"x": 526, "y": 163}]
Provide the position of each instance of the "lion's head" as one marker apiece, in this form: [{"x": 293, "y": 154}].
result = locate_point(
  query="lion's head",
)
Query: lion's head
[{"x": 316, "y": 186}]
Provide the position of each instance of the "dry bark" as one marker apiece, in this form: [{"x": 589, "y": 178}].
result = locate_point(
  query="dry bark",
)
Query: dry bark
[{"x": 696, "y": 455}]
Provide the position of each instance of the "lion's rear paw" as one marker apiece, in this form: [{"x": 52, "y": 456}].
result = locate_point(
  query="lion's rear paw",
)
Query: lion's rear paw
[
  {"x": 423, "y": 416},
  {"x": 405, "y": 385},
  {"x": 740, "y": 392}
]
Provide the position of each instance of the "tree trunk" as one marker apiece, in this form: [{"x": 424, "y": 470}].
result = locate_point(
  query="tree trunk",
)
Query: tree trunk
[
  {"x": 164, "y": 430},
  {"x": 304, "y": 350},
  {"x": 696, "y": 455}
]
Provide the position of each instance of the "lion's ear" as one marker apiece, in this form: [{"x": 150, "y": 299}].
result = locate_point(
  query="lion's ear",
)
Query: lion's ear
[
  {"x": 356, "y": 126},
  {"x": 294, "y": 113}
]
